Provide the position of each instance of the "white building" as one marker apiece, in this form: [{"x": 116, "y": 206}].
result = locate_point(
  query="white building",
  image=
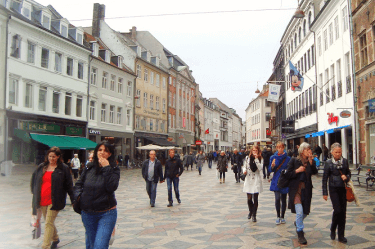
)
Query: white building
[
  {"x": 299, "y": 48},
  {"x": 334, "y": 70},
  {"x": 46, "y": 81},
  {"x": 209, "y": 113},
  {"x": 3, "y": 37},
  {"x": 236, "y": 130}
]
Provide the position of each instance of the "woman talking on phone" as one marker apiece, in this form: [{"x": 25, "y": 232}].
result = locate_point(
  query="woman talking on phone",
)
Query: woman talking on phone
[
  {"x": 95, "y": 193},
  {"x": 253, "y": 182}
]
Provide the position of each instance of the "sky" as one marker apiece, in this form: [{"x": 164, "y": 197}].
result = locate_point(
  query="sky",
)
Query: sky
[{"x": 229, "y": 52}]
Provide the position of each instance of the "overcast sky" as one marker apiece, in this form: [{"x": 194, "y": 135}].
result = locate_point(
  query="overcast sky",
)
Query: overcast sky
[{"x": 228, "y": 52}]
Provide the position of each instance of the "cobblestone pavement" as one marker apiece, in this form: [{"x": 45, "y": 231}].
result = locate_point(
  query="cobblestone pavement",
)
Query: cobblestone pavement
[{"x": 211, "y": 215}]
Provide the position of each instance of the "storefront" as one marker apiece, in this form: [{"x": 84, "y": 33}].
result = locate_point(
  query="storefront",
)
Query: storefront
[
  {"x": 183, "y": 140},
  {"x": 145, "y": 138},
  {"x": 302, "y": 135}
]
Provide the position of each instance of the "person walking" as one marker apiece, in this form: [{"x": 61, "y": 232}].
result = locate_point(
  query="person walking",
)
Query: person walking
[
  {"x": 337, "y": 174},
  {"x": 190, "y": 161},
  {"x": 152, "y": 172},
  {"x": 325, "y": 152},
  {"x": 266, "y": 154},
  {"x": 215, "y": 154},
  {"x": 210, "y": 157},
  {"x": 278, "y": 162},
  {"x": 173, "y": 171},
  {"x": 253, "y": 182},
  {"x": 126, "y": 161},
  {"x": 318, "y": 151},
  {"x": 237, "y": 163},
  {"x": 76, "y": 165},
  {"x": 95, "y": 193},
  {"x": 222, "y": 166},
  {"x": 120, "y": 158},
  {"x": 200, "y": 161},
  {"x": 52, "y": 178},
  {"x": 299, "y": 173}
]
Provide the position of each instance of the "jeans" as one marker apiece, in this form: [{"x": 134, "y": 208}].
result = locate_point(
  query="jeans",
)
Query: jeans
[
  {"x": 151, "y": 190},
  {"x": 75, "y": 172},
  {"x": 200, "y": 169},
  {"x": 265, "y": 168},
  {"x": 50, "y": 231},
  {"x": 280, "y": 197},
  {"x": 175, "y": 182},
  {"x": 300, "y": 216},
  {"x": 99, "y": 227},
  {"x": 210, "y": 163}
]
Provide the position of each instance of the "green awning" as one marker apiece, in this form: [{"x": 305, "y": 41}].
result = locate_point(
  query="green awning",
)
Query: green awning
[
  {"x": 64, "y": 142},
  {"x": 25, "y": 136}
]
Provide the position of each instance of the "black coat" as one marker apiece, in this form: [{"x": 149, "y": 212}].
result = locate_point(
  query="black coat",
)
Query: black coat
[
  {"x": 97, "y": 191},
  {"x": 318, "y": 150},
  {"x": 61, "y": 185},
  {"x": 266, "y": 154},
  {"x": 158, "y": 170},
  {"x": 222, "y": 163},
  {"x": 294, "y": 180},
  {"x": 333, "y": 175},
  {"x": 173, "y": 167},
  {"x": 237, "y": 159}
]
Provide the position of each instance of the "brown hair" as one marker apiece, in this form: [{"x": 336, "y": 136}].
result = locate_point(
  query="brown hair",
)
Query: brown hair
[
  {"x": 281, "y": 143},
  {"x": 57, "y": 152},
  {"x": 256, "y": 147}
]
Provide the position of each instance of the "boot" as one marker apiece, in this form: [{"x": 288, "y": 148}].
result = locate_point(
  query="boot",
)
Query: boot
[
  {"x": 221, "y": 181},
  {"x": 170, "y": 204},
  {"x": 250, "y": 215},
  {"x": 333, "y": 235},
  {"x": 301, "y": 238},
  {"x": 255, "y": 214}
]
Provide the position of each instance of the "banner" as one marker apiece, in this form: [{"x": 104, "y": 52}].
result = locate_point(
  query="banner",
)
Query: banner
[
  {"x": 371, "y": 105},
  {"x": 274, "y": 93},
  {"x": 295, "y": 78},
  {"x": 207, "y": 131}
]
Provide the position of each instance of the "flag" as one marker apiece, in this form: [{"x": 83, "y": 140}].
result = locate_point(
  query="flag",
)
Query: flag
[
  {"x": 274, "y": 93},
  {"x": 207, "y": 131},
  {"x": 296, "y": 79}
]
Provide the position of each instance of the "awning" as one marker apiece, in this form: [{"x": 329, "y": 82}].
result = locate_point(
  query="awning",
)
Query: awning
[
  {"x": 25, "y": 136},
  {"x": 64, "y": 142},
  {"x": 160, "y": 141}
]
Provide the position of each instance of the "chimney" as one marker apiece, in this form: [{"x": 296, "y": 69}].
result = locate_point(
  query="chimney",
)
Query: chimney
[
  {"x": 133, "y": 32},
  {"x": 98, "y": 15}
]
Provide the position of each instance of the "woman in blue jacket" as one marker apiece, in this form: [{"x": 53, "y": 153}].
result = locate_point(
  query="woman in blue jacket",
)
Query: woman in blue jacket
[{"x": 278, "y": 162}]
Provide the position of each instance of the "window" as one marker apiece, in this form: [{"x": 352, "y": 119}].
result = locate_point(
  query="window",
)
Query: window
[
  {"x": 112, "y": 114},
  {"x": 103, "y": 112},
  {"x": 42, "y": 98},
  {"x": 69, "y": 66},
  {"x": 321, "y": 99},
  {"x": 164, "y": 82},
  {"x": 169, "y": 120},
  {"x": 45, "y": 58},
  {"x": 56, "y": 102},
  {"x": 104, "y": 80},
  {"x": 129, "y": 90},
  {"x": 92, "y": 110},
  {"x": 337, "y": 30},
  {"x": 348, "y": 78},
  {"x": 137, "y": 124},
  {"x": 28, "y": 95},
  {"x": 304, "y": 28},
  {"x": 157, "y": 103},
  {"x": 119, "y": 85},
  {"x": 16, "y": 46},
  {"x": 312, "y": 55},
  {"x": 30, "y": 52},
  {"x": 308, "y": 59},
  {"x": 299, "y": 34},
  {"x": 291, "y": 43},
  {"x": 345, "y": 23},
  {"x": 26, "y": 12},
  {"x": 325, "y": 38},
  {"x": 93, "y": 76},
  {"x": 145, "y": 100},
  {"x": 330, "y": 28},
  {"x": 310, "y": 19},
  {"x": 58, "y": 58},
  {"x": 320, "y": 45},
  {"x": 128, "y": 117},
  {"x": 151, "y": 101},
  {"x": 295, "y": 41},
  {"x": 79, "y": 38},
  {"x": 138, "y": 99},
  {"x": 80, "y": 70},
  {"x": 146, "y": 75},
  {"x": 157, "y": 80},
  {"x": 156, "y": 125},
  {"x": 170, "y": 99},
  {"x": 139, "y": 69},
  {"x": 305, "y": 63},
  {"x": 151, "y": 124},
  {"x": 152, "y": 78},
  {"x": 363, "y": 48},
  {"x": 164, "y": 105},
  {"x": 64, "y": 31},
  {"x": 46, "y": 22},
  {"x": 13, "y": 90},
  {"x": 327, "y": 94},
  {"x": 68, "y": 103},
  {"x": 112, "y": 86},
  {"x": 333, "y": 89},
  {"x": 79, "y": 106}
]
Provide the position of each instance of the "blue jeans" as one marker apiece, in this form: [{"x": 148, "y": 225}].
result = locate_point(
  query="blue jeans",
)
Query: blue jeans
[
  {"x": 300, "y": 216},
  {"x": 175, "y": 181},
  {"x": 210, "y": 163},
  {"x": 151, "y": 190},
  {"x": 99, "y": 227}
]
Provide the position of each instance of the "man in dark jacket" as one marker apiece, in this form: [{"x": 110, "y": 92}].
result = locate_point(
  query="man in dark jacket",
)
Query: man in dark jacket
[
  {"x": 173, "y": 170},
  {"x": 210, "y": 157},
  {"x": 236, "y": 162},
  {"x": 318, "y": 151},
  {"x": 152, "y": 172},
  {"x": 119, "y": 159},
  {"x": 190, "y": 161},
  {"x": 266, "y": 154}
]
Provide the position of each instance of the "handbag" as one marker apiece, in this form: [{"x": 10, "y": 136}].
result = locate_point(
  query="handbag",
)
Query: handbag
[
  {"x": 283, "y": 181},
  {"x": 349, "y": 192},
  {"x": 77, "y": 203},
  {"x": 242, "y": 176}
]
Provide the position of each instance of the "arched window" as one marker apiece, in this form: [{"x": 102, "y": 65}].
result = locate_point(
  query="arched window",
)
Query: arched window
[
  {"x": 310, "y": 17},
  {"x": 299, "y": 35},
  {"x": 289, "y": 51},
  {"x": 291, "y": 46},
  {"x": 295, "y": 40},
  {"x": 304, "y": 28}
]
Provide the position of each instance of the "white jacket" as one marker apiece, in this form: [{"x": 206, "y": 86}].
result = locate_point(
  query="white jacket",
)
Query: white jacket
[
  {"x": 253, "y": 181},
  {"x": 76, "y": 164}
]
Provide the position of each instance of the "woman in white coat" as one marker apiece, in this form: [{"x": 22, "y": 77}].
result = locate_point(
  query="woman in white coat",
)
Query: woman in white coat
[{"x": 253, "y": 182}]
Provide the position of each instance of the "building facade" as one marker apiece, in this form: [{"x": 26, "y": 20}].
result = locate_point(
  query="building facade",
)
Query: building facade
[{"x": 3, "y": 54}]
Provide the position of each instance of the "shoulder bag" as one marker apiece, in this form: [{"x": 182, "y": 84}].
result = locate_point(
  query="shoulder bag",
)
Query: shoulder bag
[
  {"x": 349, "y": 192},
  {"x": 283, "y": 181},
  {"x": 77, "y": 203}
]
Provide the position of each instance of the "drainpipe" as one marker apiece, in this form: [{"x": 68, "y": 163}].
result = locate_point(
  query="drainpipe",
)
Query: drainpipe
[
  {"x": 6, "y": 123},
  {"x": 355, "y": 111}
]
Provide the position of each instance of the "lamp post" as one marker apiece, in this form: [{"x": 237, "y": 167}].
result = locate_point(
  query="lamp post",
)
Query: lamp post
[{"x": 299, "y": 13}]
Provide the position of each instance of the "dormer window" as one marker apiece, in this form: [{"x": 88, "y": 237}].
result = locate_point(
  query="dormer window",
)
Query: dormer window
[
  {"x": 80, "y": 38},
  {"x": 26, "y": 12},
  {"x": 16, "y": 6},
  {"x": 64, "y": 31},
  {"x": 95, "y": 49},
  {"x": 46, "y": 21},
  {"x": 120, "y": 61},
  {"x": 107, "y": 56},
  {"x": 3, "y": 3}
]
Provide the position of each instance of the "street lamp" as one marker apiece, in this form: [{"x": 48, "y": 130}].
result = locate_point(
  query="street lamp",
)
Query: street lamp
[
  {"x": 257, "y": 91},
  {"x": 299, "y": 13}
]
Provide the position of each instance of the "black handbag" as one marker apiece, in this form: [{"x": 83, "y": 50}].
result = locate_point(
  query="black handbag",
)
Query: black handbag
[
  {"x": 77, "y": 205},
  {"x": 242, "y": 176},
  {"x": 283, "y": 181}
]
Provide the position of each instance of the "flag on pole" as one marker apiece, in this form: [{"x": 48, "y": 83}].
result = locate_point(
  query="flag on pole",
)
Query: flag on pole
[
  {"x": 207, "y": 131},
  {"x": 296, "y": 78},
  {"x": 274, "y": 93}
]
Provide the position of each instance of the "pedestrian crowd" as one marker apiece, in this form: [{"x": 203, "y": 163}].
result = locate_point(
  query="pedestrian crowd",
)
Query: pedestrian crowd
[{"x": 93, "y": 194}]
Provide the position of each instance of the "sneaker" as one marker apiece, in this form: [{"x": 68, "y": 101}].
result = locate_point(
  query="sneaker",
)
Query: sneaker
[
  {"x": 282, "y": 221},
  {"x": 54, "y": 244},
  {"x": 278, "y": 221}
]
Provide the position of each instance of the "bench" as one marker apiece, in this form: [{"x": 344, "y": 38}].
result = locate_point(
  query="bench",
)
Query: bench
[{"x": 368, "y": 177}]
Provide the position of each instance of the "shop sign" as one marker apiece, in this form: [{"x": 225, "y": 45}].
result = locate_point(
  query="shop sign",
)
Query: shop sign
[
  {"x": 198, "y": 142},
  {"x": 170, "y": 139},
  {"x": 332, "y": 119},
  {"x": 371, "y": 105},
  {"x": 94, "y": 132},
  {"x": 40, "y": 127},
  {"x": 345, "y": 114},
  {"x": 74, "y": 131}
]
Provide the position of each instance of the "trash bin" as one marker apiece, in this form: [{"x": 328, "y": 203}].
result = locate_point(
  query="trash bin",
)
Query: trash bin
[{"x": 6, "y": 168}]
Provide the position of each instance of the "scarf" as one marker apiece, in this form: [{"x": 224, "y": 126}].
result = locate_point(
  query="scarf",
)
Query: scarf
[{"x": 253, "y": 165}]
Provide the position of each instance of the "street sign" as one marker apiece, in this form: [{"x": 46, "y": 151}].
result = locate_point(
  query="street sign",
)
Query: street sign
[{"x": 345, "y": 114}]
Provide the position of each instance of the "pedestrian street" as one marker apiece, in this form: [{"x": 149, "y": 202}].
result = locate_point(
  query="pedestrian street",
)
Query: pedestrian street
[{"x": 211, "y": 215}]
